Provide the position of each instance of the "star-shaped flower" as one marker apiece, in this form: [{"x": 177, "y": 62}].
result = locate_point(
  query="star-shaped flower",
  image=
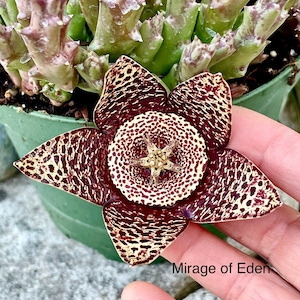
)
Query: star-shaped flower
[{"x": 156, "y": 161}]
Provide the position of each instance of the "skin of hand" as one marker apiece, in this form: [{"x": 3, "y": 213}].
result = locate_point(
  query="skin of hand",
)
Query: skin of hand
[{"x": 275, "y": 149}]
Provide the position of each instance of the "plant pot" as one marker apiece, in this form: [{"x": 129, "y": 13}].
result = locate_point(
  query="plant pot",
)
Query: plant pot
[
  {"x": 78, "y": 219},
  {"x": 81, "y": 220},
  {"x": 290, "y": 114},
  {"x": 269, "y": 98},
  {"x": 7, "y": 155}
]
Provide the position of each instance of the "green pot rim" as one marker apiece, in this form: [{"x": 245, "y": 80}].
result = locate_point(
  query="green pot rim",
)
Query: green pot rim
[{"x": 263, "y": 87}]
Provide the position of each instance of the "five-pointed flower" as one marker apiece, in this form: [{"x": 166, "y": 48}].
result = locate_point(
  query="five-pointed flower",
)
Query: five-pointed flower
[{"x": 156, "y": 161}]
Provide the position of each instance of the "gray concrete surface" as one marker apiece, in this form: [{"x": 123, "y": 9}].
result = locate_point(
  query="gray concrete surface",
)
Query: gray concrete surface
[{"x": 38, "y": 262}]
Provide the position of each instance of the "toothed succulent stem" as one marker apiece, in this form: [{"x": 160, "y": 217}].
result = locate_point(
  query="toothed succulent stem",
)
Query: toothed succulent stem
[
  {"x": 179, "y": 24},
  {"x": 90, "y": 10},
  {"x": 13, "y": 52},
  {"x": 259, "y": 22},
  {"x": 56, "y": 95},
  {"x": 49, "y": 46},
  {"x": 217, "y": 17},
  {"x": 77, "y": 29},
  {"x": 151, "y": 32},
  {"x": 117, "y": 29},
  {"x": 91, "y": 68},
  {"x": 198, "y": 56}
]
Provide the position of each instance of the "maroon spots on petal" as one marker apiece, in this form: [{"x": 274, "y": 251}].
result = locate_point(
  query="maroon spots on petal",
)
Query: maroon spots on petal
[
  {"x": 129, "y": 89},
  {"x": 237, "y": 189},
  {"x": 141, "y": 233},
  {"x": 205, "y": 100},
  {"x": 80, "y": 170}
]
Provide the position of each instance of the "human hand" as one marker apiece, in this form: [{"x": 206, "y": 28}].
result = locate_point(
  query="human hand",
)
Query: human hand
[{"x": 275, "y": 149}]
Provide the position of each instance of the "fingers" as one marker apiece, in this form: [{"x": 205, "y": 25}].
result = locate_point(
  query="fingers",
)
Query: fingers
[
  {"x": 273, "y": 147},
  {"x": 276, "y": 150},
  {"x": 275, "y": 237},
  {"x": 144, "y": 291},
  {"x": 229, "y": 274},
  {"x": 233, "y": 275}
]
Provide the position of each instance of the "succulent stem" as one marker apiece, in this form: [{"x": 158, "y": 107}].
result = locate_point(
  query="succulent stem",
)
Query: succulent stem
[
  {"x": 250, "y": 39},
  {"x": 217, "y": 17},
  {"x": 90, "y": 10},
  {"x": 117, "y": 28},
  {"x": 151, "y": 32},
  {"x": 77, "y": 29},
  {"x": 179, "y": 24},
  {"x": 91, "y": 68},
  {"x": 49, "y": 46}
]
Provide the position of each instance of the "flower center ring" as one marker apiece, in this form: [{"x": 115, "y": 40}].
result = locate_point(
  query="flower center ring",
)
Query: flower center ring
[{"x": 157, "y": 159}]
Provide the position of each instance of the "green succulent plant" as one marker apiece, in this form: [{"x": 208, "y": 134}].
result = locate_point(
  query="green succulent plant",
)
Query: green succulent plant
[{"x": 53, "y": 47}]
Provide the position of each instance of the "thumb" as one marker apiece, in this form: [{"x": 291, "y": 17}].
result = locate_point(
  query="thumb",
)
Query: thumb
[{"x": 140, "y": 290}]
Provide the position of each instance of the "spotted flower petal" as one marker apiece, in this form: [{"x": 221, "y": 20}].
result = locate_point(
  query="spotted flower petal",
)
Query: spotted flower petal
[
  {"x": 234, "y": 188},
  {"x": 140, "y": 233},
  {"x": 73, "y": 162},
  {"x": 205, "y": 101},
  {"x": 129, "y": 90}
]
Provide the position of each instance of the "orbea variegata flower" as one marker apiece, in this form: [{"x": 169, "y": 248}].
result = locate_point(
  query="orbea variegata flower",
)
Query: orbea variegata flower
[{"x": 156, "y": 161}]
